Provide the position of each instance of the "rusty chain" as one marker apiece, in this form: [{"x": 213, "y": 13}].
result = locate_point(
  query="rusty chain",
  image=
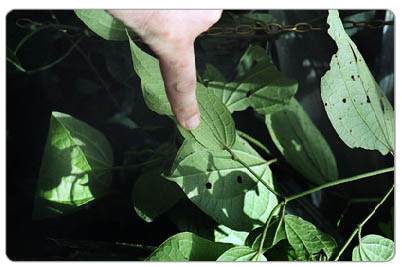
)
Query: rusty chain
[
  {"x": 258, "y": 27},
  {"x": 301, "y": 27}
]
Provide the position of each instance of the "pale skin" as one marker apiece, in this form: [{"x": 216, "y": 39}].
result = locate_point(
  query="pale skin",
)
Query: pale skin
[{"x": 171, "y": 34}]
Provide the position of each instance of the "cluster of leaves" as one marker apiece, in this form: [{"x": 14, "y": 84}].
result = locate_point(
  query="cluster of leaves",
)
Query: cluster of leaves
[{"x": 217, "y": 169}]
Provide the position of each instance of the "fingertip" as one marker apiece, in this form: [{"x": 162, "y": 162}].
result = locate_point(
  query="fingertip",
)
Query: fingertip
[{"x": 193, "y": 122}]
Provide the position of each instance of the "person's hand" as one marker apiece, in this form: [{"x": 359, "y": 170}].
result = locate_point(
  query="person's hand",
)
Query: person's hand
[{"x": 171, "y": 34}]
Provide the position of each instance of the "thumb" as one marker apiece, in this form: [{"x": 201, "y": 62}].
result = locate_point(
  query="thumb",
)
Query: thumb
[{"x": 179, "y": 75}]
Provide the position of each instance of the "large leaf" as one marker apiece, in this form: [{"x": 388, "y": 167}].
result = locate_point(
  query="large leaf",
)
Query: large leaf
[
  {"x": 188, "y": 247},
  {"x": 306, "y": 239},
  {"x": 262, "y": 86},
  {"x": 216, "y": 130},
  {"x": 223, "y": 188},
  {"x": 74, "y": 166},
  {"x": 241, "y": 253},
  {"x": 301, "y": 143},
  {"x": 103, "y": 24},
  {"x": 355, "y": 104},
  {"x": 374, "y": 248}
]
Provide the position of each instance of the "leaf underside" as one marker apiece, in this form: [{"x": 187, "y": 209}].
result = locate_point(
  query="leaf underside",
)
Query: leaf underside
[
  {"x": 355, "y": 104},
  {"x": 374, "y": 248}
]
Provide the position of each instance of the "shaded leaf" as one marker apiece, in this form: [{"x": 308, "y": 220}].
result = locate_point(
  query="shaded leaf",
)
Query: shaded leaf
[
  {"x": 262, "y": 86},
  {"x": 223, "y": 188},
  {"x": 241, "y": 253},
  {"x": 188, "y": 247},
  {"x": 306, "y": 239},
  {"x": 103, "y": 24},
  {"x": 153, "y": 194},
  {"x": 374, "y": 248},
  {"x": 355, "y": 104},
  {"x": 301, "y": 143},
  {"x": 275, "y": 233},
  {"x": 74, "y": 166}
]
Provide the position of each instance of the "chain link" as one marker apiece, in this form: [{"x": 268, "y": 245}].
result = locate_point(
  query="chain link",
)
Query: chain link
[
  {"x": 258, "y": 27},
  {"x": 301, "y": 27}
]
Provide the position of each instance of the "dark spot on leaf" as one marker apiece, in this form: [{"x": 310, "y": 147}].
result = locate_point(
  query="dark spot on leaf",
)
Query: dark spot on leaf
[
  {"x": 353, "y": 77},
  {"x": 368, "y": 99},
  {"x": 344, "y": 100},
  {"x": 208, "y": 185},
  {"x": 239, "y": 179},
  {"x": 350, "y": 130},
  {"x": 340, "y": 118},
  {"x": 382, "y": 105},
  {"x": 248, "y": 93},
  {"x": 361, "y": 103},
  {"x": 350, "y": 62},
  {"x": 358, "y": 76},
  {"x": 325, "y": 104}
]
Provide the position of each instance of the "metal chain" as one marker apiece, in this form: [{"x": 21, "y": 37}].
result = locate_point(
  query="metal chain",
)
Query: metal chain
[
  {"x": 301, "y": 27},
  {"x": 258, "y": 27}
]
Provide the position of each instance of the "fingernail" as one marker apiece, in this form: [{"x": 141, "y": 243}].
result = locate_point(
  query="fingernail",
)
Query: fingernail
[{"x": 192, "y": 122}]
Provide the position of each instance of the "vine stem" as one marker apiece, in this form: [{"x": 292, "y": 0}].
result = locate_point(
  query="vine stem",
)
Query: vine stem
[
  {"x": 337, "y": 182},
  {"x": 259, "y": 178},
  {"x": 264, "y": 234},
  {"x": 254, "y": 141},
  {"x": 359, "y": 226}
]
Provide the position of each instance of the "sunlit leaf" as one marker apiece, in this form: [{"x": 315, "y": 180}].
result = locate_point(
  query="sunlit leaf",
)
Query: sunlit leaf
[
  {"x": 275, "y": 233},
  {"x": 241, "y": 253},
  {"x": 301, "y": 143},
  {"x": 103, "y": 24},
  {"x": 74, "y": 166},
  {"x": 216, "y": 130},
  {"x": 355, "y": 104},
  {"x": 188, "y": 247},
  {"x": 374, "y": 248},
  {"x": 223, "y": 188},
  {"x": 306, "y": 239}
]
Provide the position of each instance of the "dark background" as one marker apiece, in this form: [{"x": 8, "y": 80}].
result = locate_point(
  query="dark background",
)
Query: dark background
[{"x": 96, "y": 82}]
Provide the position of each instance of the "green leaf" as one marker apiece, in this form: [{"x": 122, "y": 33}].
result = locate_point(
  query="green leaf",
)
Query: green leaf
[
  {"x": 241, "y": 253},
  {"x": 216, "y": 129},
  {"x": 262, "y": 86},
  {"x": 275, "y": 233},
  {"x": 306, "y": 239},
  {"x": 188, "y": 247},
  {"x": 224, "y": 189},
  {"x": 103, "y": 24},
  {"x": 148, "y": 204},
  {"x": 374, "y": 248},
  {"x": 224, "y": 234},
  {"x": 301, "y": 143},
  {"x": 74, "y": 166},
  {"x": 356, "y": 106}
]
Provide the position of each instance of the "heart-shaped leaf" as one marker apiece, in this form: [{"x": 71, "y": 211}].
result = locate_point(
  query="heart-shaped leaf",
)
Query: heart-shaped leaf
[{"x": 75, "y": 167}]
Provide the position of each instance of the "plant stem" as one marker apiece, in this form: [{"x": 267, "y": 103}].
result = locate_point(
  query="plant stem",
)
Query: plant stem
[
  {"x": 359, "y": 226},
  {"x": 264, "y": 234},
  {"x": 254, "y": 141},
  {"x": 259, "y": 178},
  {"x": 337, "y": 182}
]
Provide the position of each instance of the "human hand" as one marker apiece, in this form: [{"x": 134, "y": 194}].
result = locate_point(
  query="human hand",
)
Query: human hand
[{"x": 171, "y": 34}]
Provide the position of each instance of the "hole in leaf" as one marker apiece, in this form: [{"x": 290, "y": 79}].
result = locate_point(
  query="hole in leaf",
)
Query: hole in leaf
[
  {"x": 368, "y": 99},
  {"x": 248, "y": 93},
  {"x": 325, "y": 104},
  {"x": 208, "y": 185},
  {"x": 344, "y": 100},
  {"x": 239, "y": 179},
  {"x": 353, "y": 77}
]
